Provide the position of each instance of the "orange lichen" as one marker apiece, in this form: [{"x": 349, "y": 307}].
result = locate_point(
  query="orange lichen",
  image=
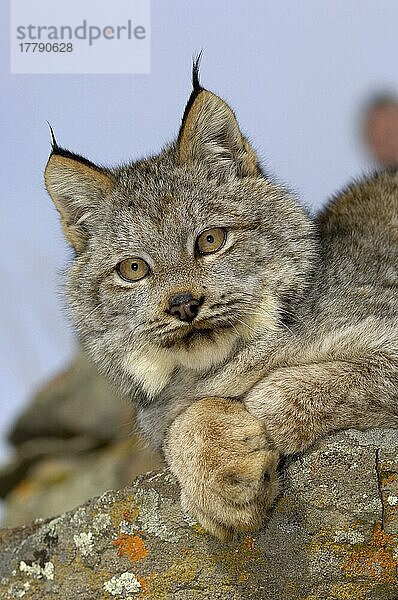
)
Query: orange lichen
[
  {"x": 242, "y": 554},
  {"x": 144, "y": 580},
  {"x": 122, "y": 507},
  {"x": 387, "y": 478},
  {"x": 131, "y": 515},
  {"x": 374, "y": 559},
  {"x": 239, "y": 560},
  {"x": 131, "y": 546},
  {"x": 249, "y": 543}
]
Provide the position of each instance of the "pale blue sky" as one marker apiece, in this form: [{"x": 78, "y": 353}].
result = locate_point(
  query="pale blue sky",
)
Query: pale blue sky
[{"x": 295, "y": 72}]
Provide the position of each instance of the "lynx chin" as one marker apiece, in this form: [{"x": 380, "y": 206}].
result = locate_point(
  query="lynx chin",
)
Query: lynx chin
[{"x": 241, "y": 328}]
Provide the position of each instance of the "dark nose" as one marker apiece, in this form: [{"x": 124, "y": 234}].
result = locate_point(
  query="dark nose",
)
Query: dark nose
[{"x": 184, "y": 306}]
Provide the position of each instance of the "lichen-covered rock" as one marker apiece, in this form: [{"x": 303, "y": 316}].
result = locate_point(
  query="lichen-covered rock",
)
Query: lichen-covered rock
[
  {"x": 333, "y": 534},
  {"x": 56, "y": 409},
  {"x": 59, "y": 483},
  {"x": 74, "y": 441}
]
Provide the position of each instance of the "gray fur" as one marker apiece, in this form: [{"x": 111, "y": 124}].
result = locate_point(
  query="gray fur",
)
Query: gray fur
[{"x": 316, "y": 300}]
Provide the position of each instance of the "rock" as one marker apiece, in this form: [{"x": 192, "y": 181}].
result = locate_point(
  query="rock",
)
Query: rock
[
  {"x": 74, "y": 441},
  {"x": 333, "y": 534},
  {"x": 31, "y": 451},
  {"x": 58, "y": 484},
  {"x": 78, "y": 401}
]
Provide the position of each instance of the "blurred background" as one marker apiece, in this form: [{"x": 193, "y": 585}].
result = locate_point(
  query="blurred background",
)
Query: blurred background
[{"x": 314, "y": 87}]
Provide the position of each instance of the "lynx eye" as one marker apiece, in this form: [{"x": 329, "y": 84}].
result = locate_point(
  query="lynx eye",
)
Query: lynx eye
[
  {"x": 211, "y": 240},
  {"x": 132, "y": 269}
]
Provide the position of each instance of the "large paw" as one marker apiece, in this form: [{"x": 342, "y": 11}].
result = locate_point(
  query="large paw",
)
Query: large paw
[{"x": 227, "y": 473}]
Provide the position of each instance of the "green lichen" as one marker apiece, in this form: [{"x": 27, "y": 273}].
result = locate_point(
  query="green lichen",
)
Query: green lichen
[
  {"x": 350, "y": 591},
  {"x": 160, "y": 585},
  {"x": 237, "y": 556}
]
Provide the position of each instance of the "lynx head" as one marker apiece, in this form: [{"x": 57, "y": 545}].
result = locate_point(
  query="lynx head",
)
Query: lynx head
[{"x": 181, "y": 256}]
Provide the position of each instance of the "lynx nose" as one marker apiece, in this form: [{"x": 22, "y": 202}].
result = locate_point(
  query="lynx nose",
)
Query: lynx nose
[{"x": 184, "y": 307}]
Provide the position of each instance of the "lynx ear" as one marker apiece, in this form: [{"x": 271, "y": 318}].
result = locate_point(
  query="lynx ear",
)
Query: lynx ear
[
  {"x": 76, "y": 187},
  {"x": 210, "y": 133}
]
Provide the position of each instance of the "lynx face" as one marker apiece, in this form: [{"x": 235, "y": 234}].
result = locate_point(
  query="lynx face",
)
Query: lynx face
[{"x": 180, "y": 256}]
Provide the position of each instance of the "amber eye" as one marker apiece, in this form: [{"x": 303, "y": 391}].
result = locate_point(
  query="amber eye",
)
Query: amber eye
[
  {"x": 211, "y": 240},
  {"x": 132, "y": 269}
]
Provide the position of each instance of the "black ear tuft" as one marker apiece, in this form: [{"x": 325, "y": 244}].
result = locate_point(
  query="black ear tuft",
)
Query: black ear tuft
[
  {"x": 210, "y": 134},
  {"x": 54, "y": 143},
  {"x": 59, "y": 151},
  {"x": 195, "y": 73},
  {"x": 197, "y": 88}
]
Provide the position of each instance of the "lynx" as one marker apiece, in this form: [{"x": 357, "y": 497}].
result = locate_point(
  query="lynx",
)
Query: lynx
[{"x": 241, "y": 328}]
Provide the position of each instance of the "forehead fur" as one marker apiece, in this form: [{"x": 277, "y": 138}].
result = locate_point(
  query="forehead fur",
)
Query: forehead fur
[{"x": 159, "y": 186}]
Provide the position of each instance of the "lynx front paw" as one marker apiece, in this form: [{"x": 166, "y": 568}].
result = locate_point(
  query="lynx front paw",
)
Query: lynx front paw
[{"x": 227, "y": 473}]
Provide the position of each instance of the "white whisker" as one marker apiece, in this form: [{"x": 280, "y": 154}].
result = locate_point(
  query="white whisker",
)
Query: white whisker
[
  {"x": 94, "y": 309},
  {"x": 246, "y": 325}
]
